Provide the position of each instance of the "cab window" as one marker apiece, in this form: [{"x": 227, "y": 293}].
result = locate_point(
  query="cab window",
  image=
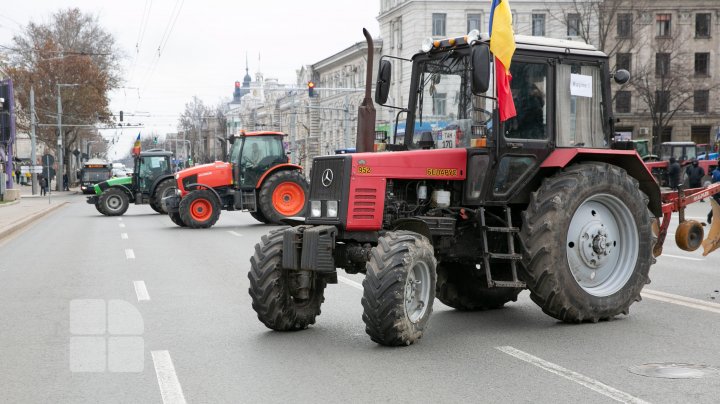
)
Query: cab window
[
  {"x": 579, "y": 117},
  {"x": 529, "y": 91}
]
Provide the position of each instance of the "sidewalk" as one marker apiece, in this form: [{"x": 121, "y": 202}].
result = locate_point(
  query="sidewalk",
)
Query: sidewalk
[{"x": 16, "y": 215}]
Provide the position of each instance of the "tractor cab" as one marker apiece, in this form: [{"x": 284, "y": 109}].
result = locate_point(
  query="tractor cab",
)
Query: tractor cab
[
  {"x": 149, "y": 167},
  {"x": 253, "y": 154},
  {"x": 682, "y": 151}
]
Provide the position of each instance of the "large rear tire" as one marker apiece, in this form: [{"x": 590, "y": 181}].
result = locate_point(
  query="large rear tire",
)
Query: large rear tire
[
  {"x": 270, "y": 288},
  {"x": 113, "y": 202},
  {"x": 175, "y": 217},
  {"x": 257, "y": 215},
  {"x": 283, "y": 195},
  {"x": 156, "y": 208},
  {"x": 199, "y": 209},
  {"x": 463, "y": 287},
  {"x": 399, "y": 288},
  {"x": 165, "y": 188},
  {"x": 589, "y": 237}
]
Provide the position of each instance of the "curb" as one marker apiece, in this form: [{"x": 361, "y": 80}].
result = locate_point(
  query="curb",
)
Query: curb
[
  {"x": 10, "y": 203},
  {"x": 15, "y": 227}
]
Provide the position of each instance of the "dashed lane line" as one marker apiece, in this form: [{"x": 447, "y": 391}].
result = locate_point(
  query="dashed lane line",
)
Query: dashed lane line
[
  {"x": 234, "y": 233},
  {"x": 681, "y": 300},
  {"x": 347, "y": 281},
  {"x": 129, "y": 254},
  {"x": 141, "y": 291},
  {"x": 121, "y": 225},
  {"x": 124, "y": 236},
  {"x": 682, "y": 258},
  {"x": 578, "y": 378},
  {"x": 170, "y": 388}
]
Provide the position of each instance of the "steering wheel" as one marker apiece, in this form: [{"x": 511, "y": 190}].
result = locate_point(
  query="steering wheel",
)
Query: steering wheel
[{"x": 486, "y": 112}]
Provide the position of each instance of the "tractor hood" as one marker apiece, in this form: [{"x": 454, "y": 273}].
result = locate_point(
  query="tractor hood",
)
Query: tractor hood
[
  {"x": 213, "y": 175},
  {"x": 112, "y": 182}
]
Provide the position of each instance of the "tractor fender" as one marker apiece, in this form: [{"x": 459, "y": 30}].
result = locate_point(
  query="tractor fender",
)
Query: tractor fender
[
  {"x": 196, "y": 186},
  {"x": 125, "y": 189},
  {"x": 279, "y": 167},
  {"x": 414, "y": 225},
  {"x": 625, "y": 159}
]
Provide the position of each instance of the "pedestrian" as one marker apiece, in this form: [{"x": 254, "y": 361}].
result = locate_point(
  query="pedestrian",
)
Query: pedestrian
[
  {"x": 65, "y": 183},
  {"x": 674, "y": 173},
  {"x": 695, "y": 175},
  {"x": 17, "y": 175},
  {"x": 43, "y": 185},
  {"x": 715, "y": 178}
]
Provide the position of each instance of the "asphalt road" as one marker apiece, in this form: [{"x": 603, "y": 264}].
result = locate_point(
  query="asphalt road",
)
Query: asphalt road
[{"x": 200, "y": 341}]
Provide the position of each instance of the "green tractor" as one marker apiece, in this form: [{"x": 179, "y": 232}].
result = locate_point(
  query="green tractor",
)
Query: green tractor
[{"x": 152, "y": 179}]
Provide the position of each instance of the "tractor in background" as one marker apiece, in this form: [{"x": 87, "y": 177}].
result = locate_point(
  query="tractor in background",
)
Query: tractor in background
[
  {"x": 256, "y": 178},
  {"x": 151, "y": 181}
]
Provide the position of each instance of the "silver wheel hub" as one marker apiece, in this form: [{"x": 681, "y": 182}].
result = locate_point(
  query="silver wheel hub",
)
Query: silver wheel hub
[
  {"x": 114, "y": 202},
  {"x": 417, "y": 291},
  {"x": 602, "y": 245}
]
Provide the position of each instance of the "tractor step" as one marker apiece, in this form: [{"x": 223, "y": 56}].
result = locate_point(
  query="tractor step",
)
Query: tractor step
[
  {"x": 504, "y": 229},
  {"x": 509, "y": 284},
  {"x": 499, "y": 256}
]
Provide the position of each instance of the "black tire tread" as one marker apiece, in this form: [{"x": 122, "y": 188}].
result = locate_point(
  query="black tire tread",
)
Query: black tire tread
[
  {"x": 186, "y": 215},
  {"x": 159, "y": 191},
  {"x": 102, "y": 200},
  {"x": 265, "y": 204}
]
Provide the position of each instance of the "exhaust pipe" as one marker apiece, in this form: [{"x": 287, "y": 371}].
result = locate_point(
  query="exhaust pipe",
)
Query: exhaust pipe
[{"x": 366, "y": 110}]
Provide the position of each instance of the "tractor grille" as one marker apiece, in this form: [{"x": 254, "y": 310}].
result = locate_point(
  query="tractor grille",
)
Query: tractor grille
[
  {"x": 365, "y": 204},
  {"x": 334, "y": 191}
]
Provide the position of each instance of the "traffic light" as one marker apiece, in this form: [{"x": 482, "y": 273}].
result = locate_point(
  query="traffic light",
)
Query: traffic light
[
  {"x": 155, "y": 139},
  {"x": 121, "y": 116},
  {"x": 311, "y": 89}
]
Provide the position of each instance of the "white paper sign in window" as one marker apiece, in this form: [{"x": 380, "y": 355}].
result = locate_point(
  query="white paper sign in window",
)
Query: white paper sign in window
[{"x": 581, "y": 85}]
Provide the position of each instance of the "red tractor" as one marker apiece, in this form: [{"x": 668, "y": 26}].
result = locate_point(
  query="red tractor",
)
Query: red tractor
[
  {"x": 539, "y": 201},
  {"x": 257, "y": 178}
]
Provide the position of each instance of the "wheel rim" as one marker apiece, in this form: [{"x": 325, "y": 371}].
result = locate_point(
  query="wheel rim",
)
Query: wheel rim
[
  {"x": 602, "y": 245},
  {"x": 200, "y": 210},
  {"x": 114, "y": 202},
  {"x": 288, "y": 198},
  {"x": 417, "y": 291}
]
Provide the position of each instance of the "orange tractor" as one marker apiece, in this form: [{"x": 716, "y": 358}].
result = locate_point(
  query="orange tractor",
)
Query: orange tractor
[{"x": 257, "y": 178}]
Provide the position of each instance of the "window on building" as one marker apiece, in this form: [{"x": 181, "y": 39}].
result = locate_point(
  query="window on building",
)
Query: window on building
[
  {"x": 474, "y": 21},
  {"x": 538, "y": 24},
  {"x": 623, "y": 61},
  {"x": 663, "y": 25},
  {"x": 573, "y": 24},
  {"x": 701, "y": 99},
  {"x": 702, "y": 25},
  {"x": 662, "y": 64},
  {"x": 700, "y": 134},
  {"x": 702, "y": 64},
  {"x": 662, "y": 100},
  {"x": 622, "y": 102},
  {"x": 624, "y": 25},
  {"x": 666, "y": 134},
  {"x": 438, "y": 24},
  {"x": 439, "y": 104}
]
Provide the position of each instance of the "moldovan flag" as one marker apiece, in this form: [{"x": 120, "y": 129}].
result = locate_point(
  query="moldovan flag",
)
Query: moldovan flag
[
  {"x": 502, "y": 45},
  {"x": 136, "y": 146}
]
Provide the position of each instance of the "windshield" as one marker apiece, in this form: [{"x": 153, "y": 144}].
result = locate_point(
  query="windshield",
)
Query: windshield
[
  {"x": 446, "y": 110},
  {"x": 642, "y": 148},
  {"x": 95, "y": 175},
  {"x": 235, "y": 151}
]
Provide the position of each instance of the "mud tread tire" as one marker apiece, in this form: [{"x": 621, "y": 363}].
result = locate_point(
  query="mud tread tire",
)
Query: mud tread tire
[
  {"x": 161, "y": 190},
  {"x": 186, "y": 204},
  {"x": 107, "y": 194},
  {"x": 265, "y": 202},
  {"x": 175, "y": 217}
]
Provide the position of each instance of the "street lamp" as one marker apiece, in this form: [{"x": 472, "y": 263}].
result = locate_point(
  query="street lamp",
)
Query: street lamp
[{"x": 61, "y": 170}]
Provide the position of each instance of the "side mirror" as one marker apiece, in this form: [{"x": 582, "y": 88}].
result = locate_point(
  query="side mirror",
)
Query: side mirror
[
  {"x": 231, "y": 139},
  {"x": 481, "y": 68},
  {"x": 382, "y": 86},
  {"x": 622, "y": 76}
]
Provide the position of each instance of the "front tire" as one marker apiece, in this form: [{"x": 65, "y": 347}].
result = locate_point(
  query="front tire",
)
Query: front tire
[
  {"x": 399, "y": 288},
  {"x": 113, "y": 202},
  {"x": 199, "y": 209},
  {"x": 283, "y": 195},
  {"x": 590, "y": 241},
  {"x": 270, "y": 288},
  {"x": 463, "y": 287}
]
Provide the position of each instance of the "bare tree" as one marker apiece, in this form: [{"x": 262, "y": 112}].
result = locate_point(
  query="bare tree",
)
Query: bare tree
[
  {"x": 191, "y": 123},
  {"x": 71, "y": 49}
]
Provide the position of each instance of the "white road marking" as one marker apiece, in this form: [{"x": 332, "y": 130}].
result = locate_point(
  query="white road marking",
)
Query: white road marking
[
  {"x": 681, "y": 300},
  {"x": 170, "y": 388},
  {"x": 682, "y": 258},
  {"x": 124, "y": 236},
  {"x": 129, "y": 254},
  {"x": 234, "y": 233},
  {"x": 121, "y": 224},
  {"x": 578, "y": 378},
  {"x": 347, "y": 281},
  {"x": 119, "y": 219},
  {"x": 141, "y": 291}
]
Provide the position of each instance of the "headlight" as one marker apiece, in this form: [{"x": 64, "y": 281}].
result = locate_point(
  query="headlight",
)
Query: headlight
[
  {"x": 315, "y": 209},
  {"x": 332, "y": 208},
  {"x": 427, "y": 45}
]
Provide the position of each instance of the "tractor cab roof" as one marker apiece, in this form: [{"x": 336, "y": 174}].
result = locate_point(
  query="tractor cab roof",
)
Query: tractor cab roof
[
  {"x": 155, "y": 152},
  {"x": 259, "y": 133},
  {"x": 523, "y": 42}
]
